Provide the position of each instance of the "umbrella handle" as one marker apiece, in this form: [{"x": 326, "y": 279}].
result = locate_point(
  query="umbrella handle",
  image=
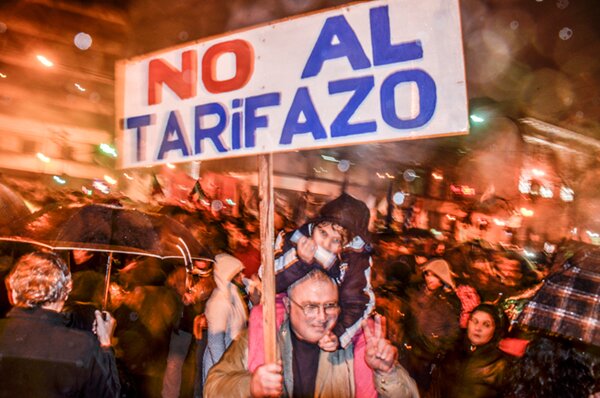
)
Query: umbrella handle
[{"x": 107, "y": 282}]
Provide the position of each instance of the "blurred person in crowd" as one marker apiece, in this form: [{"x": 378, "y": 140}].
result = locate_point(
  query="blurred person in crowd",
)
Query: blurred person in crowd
[
  {"x": 477, "y": 367},
  {"x": 393, "y": 267},
  {"x": 213, "y": 233},
  {"x": 514, "y": 270},
  {"x": 226, "y": 312},
  {"x": 147, "y": 311},
  {"x": 251, "y": 224},
  {"x": 248, "y": 252},
  {"x": 243, "y": 247},
  {"x": 552, "y": 367},
  {"x": 439, "y": 249},
  {"x": 281, "y": 222},
  {"x": 391, "y": 306},
  {"x": 85, "y": 260},
  {"x": 431, "y": 327},
  {"x": 183, "y": 374},
  {"x": 336, "y": 242},
  {"x": 388, "y": 245},
  {"x": 495, "y": 273},
  {"x": 40, "y": 355},
  {"x": 88, "y": 276},
  {"x": 6, "y": 263},
  {"x": 304, "y": 369}
]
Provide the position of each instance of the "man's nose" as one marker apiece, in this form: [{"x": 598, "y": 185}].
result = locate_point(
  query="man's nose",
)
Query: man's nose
[{"x": 321, "y": 315}]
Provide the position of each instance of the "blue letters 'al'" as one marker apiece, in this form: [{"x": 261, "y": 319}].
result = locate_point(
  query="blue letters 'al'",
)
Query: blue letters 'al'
[
  {"x": 173, "y": 128},
  {"x": 324, "y": 49},
  {"x": 302, "y": 105}
]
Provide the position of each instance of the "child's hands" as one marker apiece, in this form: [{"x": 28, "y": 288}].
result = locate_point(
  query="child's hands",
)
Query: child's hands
[
  {"x": 329, "y": 342},
  {"x": 306, "y": 248}
]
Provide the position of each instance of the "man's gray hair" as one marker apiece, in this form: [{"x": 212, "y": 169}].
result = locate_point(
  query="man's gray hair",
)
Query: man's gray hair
[
  {"x": 39, "y": 278},
  {"x": 315, "y": 274}
]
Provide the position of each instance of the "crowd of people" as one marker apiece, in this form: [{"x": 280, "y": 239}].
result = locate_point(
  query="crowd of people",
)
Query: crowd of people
[{"x": 359, "y": 314}]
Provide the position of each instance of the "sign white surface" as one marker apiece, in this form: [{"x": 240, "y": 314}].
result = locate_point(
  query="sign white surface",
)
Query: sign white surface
[{"x": 373, "y": 71}]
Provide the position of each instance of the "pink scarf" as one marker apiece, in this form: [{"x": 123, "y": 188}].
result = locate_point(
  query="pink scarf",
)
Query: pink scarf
[{"x": 363, "y": 375}]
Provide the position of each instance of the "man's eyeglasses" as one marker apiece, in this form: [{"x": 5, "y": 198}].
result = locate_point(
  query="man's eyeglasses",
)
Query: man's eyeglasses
[{"x": 312, "y": 310}]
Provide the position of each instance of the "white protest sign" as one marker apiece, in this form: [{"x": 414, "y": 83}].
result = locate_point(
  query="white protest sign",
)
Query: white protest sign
[{"x": 367, "y": 72}]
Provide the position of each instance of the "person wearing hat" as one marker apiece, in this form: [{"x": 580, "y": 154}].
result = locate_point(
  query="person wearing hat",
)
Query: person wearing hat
[
  {"x": 476, "y": 369},
  {"x": 431, "y": 323},
  {"x": 336, "y": 242},
  {"x": 226, "y": 313}
]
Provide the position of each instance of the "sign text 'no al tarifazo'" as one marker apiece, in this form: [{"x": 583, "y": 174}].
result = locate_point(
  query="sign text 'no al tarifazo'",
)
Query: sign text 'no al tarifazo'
[{"x": 372, "y": 71}]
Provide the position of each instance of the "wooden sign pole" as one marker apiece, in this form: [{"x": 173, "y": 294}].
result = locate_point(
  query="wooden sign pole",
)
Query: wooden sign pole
[{"x": 265, "y": 190}]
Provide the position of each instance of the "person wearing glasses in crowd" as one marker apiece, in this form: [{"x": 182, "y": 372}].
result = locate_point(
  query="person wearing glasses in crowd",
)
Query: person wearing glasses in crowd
[
  {"x": 431, "y": 322},
  {"x": 336, "y": 242},
  {"x": 39, "y": 355},
  {"x": 304, "y": 369}
]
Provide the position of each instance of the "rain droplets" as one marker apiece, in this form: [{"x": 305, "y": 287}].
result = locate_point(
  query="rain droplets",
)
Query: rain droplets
[
  {"x": 95, "y": 97},
  {"x": 514, "y": 25},
  {"x": 343, "y": 165},
  {"x": 82, "y": 41},
  {"x": 3, "y": 27},
  {"x": 562, "y": 4},
  {"x": 216, "y": 205},
  {"x": 409, "y": 175},
  {"x": 183, "y": 35},
  {"x": 565, "y": 33}
]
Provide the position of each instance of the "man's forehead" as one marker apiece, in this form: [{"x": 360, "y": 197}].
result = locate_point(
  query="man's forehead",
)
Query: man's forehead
[{"x": 315, "y": 290}]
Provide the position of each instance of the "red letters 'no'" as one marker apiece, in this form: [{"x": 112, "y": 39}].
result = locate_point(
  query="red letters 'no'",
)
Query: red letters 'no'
[{"x": 184, "y": 82}]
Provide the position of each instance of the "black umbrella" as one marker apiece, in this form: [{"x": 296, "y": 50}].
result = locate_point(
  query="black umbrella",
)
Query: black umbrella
[
  {"x": 12, "y": 208},
  {"x": 111, "y": 229}
]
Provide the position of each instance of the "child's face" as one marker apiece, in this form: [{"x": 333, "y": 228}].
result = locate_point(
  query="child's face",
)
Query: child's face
[{"x": 328, "y": 237}]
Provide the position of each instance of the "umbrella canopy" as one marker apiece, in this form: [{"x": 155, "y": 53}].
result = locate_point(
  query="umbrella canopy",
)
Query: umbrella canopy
[
  {"x": 12, "y": 207},
  {"x": 568, "y": 303},
  {"x": 418, "y": 233},
  {"x": 109, "y": 228}
]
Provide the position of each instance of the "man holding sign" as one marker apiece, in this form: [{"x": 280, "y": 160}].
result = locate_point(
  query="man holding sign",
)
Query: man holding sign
[{"x": 304, "y": 369}]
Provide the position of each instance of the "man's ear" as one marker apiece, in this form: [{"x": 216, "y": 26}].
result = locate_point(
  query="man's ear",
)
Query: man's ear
[
  {"x": 12, "y": 296},
  {"x": 286, "y": 304},
  {"x": 69, "y": 287}
]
